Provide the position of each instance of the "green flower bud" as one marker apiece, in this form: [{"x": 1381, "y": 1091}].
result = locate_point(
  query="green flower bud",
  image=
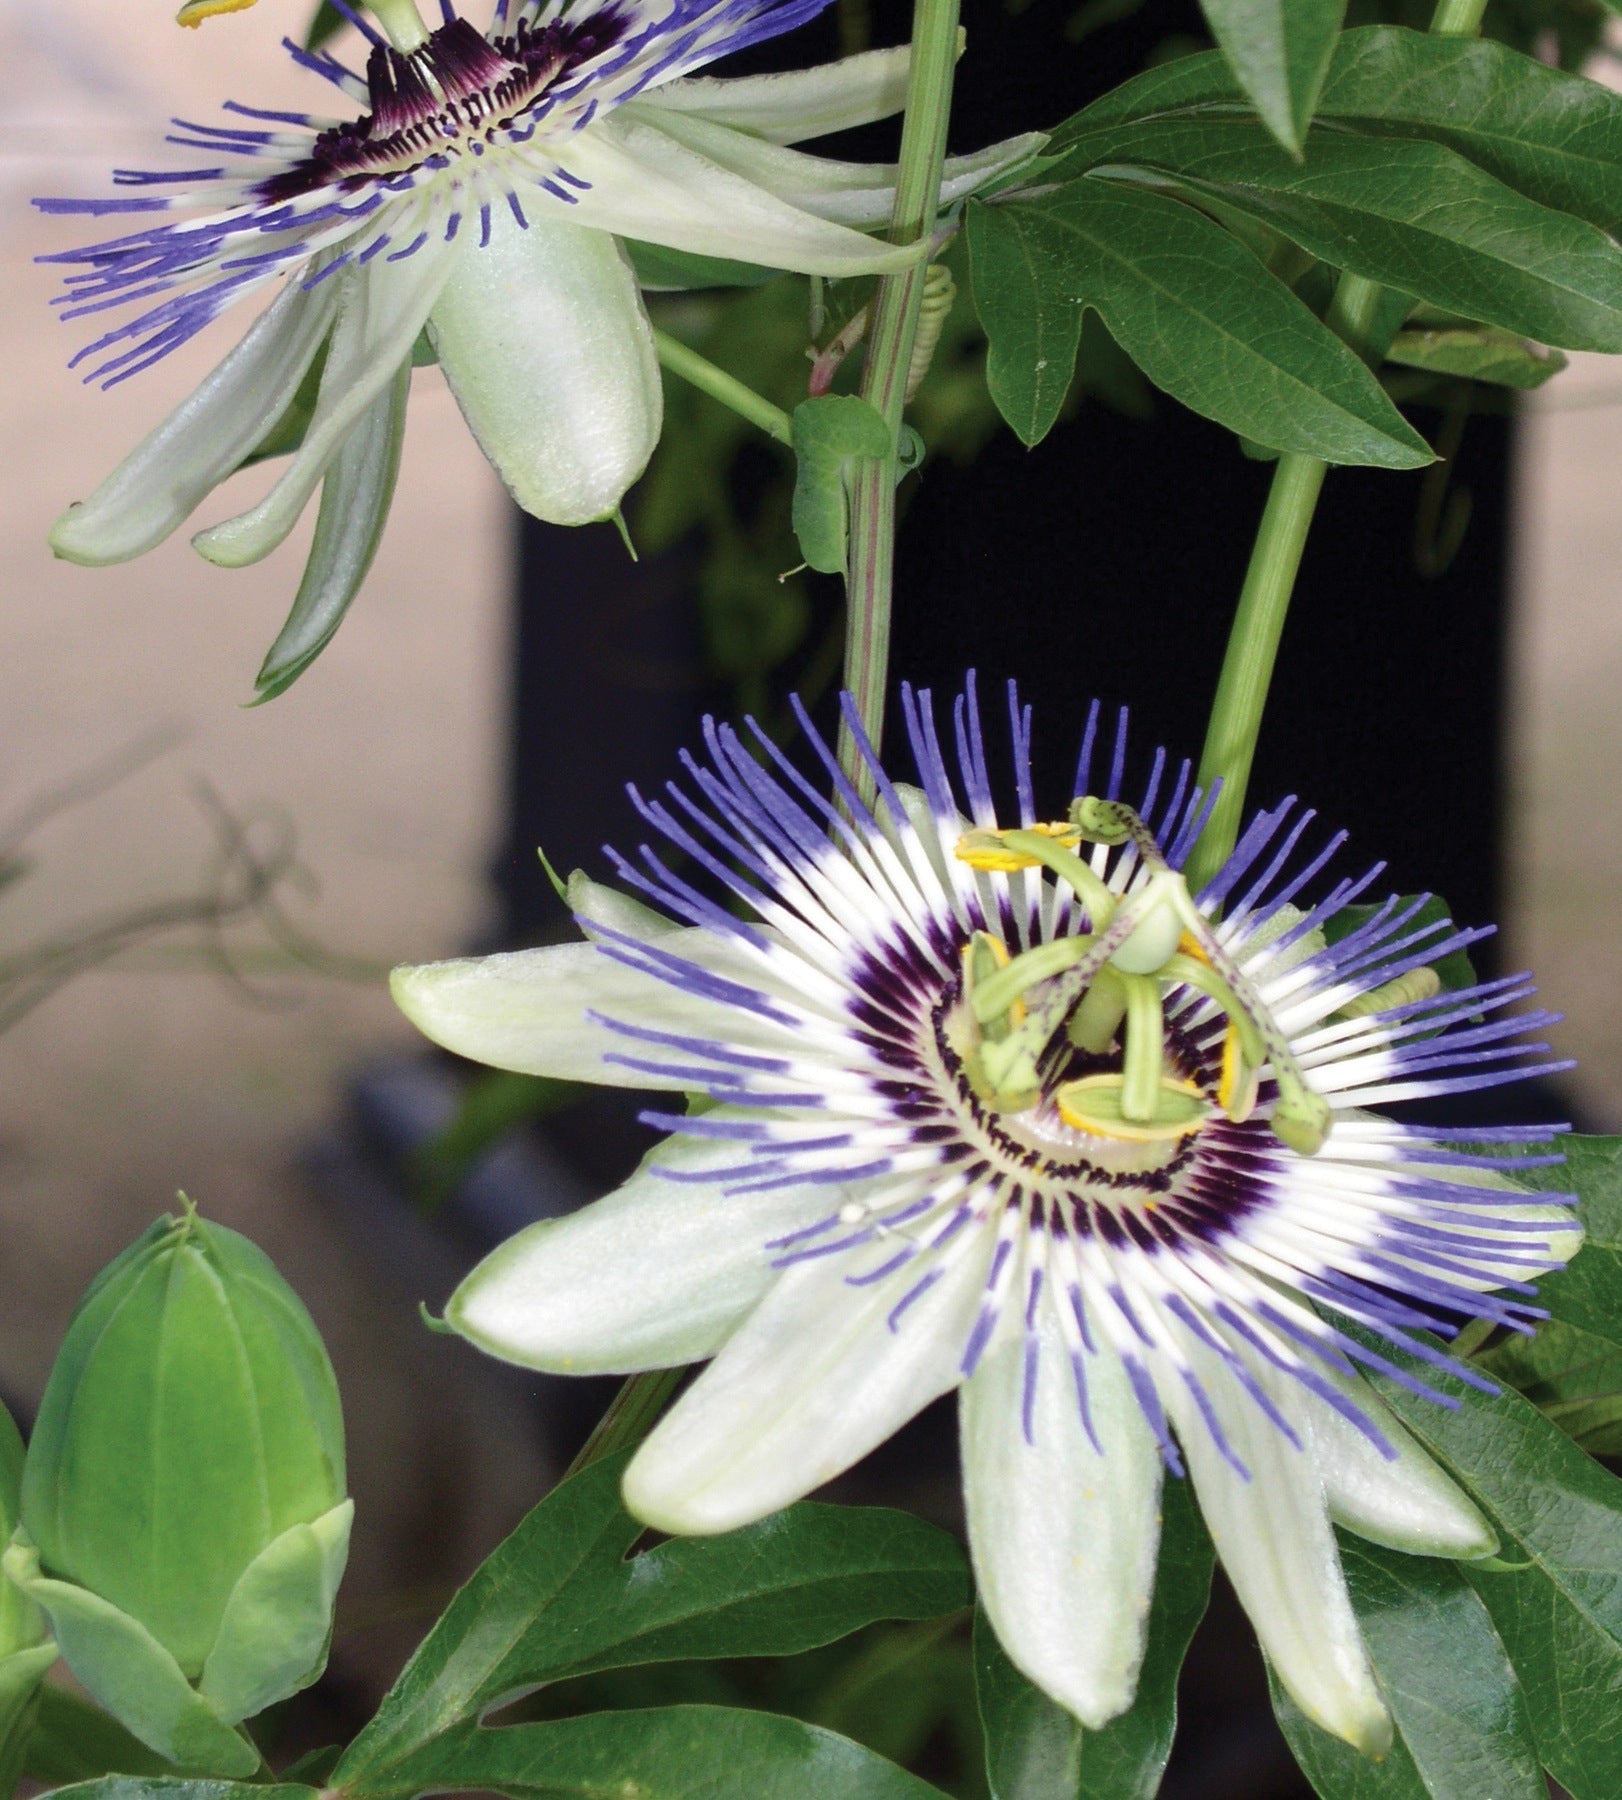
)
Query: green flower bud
[
  {"x": 184, "y": 1524},
  {"x": 25, "y": 1650}
]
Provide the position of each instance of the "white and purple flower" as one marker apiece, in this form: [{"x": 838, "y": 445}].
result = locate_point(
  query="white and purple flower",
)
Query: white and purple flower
[
  {"x": 482, "y": 194},
  {"x": 1010, "y": 1110}
]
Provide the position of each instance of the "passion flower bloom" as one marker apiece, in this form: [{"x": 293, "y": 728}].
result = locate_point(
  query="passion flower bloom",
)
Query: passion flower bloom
[
  {"x": 482, "y": 192},
  {"x": 1011, "y": 1110}
]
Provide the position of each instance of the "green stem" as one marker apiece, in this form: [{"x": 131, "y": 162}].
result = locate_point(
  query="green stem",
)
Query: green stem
[
  {"x": 401, "y": 22},
  {"x": 884, "y": 376},
  {"x": 1275, "y": 560},
  {"x": 701, "y": 373},
  {"x": 1457, "y": 18},
  {"x": 631, "y": 1415},
  {"x": 1258, "y": 624}
]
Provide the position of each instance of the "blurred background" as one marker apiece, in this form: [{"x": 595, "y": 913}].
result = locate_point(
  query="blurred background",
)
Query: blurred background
[{"x": 1448, "y": 688}]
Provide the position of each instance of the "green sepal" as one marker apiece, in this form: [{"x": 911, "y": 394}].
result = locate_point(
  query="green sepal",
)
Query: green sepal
[
  {"x": 124, "y": 1667},
  {"x": 277, "y": 1622},
  {"x": 20, "y": 1676}
]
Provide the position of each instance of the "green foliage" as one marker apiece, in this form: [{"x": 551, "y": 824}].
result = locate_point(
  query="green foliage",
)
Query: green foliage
[
  {"x": 561, "y": 1597},
  {"x": 1476, "y": 353},
  {"x": 1455, "y": 174},
  {"x": 1555, "y": 1591},
  {"x": 75, "y": 1741},
  {"x": 1553, "y": 137},
  {"x": 1572, "y": 1368},
  {"x": 1190, "y": 305},
  {"x": 1455, "y": 970},
  {"x": 1035, "y": 1750},
  {"x": 1588, "y": 1293},
  {"x": 829, "y": 432},
  {"x": 1408, "y": 214},
  {"x": 671, "y": 1753},
  {"x": 1279, "y": 52},
  {"x": 1462, "y": 1729}
]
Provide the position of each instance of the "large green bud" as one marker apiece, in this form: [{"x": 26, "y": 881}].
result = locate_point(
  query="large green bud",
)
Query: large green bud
[{"x": 184, "y": 1524}]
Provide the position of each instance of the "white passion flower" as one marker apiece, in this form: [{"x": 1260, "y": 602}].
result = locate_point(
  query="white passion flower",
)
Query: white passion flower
[
  {"x": 1013, "y": 1111},
  {"x": 482, "y": 192}
]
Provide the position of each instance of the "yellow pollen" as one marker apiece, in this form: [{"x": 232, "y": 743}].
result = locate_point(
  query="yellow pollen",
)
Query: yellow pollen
[{"x": 985, "y": 850}]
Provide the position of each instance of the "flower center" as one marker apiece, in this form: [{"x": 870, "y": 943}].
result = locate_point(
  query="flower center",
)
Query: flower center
[
  {"x": 453, "y": 97},
  {"x": 1019, "y": 1022}
]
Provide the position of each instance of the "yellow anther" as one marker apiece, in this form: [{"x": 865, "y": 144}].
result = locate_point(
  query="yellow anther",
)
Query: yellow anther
[
  {"x": 1240, "y": 1082},
  {"x": 1093, "y": 1105},
  {"x": 1189, "y": 945},
  {"x": 193, "y": 13},
  {"x": 988, "y": 852}
]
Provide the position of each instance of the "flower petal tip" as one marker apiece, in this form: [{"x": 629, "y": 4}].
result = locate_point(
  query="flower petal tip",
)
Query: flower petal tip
[{"x": 700, "y": 1512}]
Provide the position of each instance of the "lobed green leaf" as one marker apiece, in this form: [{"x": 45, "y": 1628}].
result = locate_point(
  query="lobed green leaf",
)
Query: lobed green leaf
[{"x": 1193, "y": 309}]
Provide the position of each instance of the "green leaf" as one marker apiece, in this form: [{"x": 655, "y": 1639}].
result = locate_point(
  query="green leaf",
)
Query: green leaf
[
  {"x": 75, "y": 1741},
  {"x": 1279, "y": 52},
  {"x": 1415, "y": 216},
  {"x": 1555, "y": 1590},
  {"x": 1462, "y": 1731},
  {"x": 662, "y": 1753},
  {"x": 180, "y": 1787},
  {"x": 356, "y": 494},
  {"x": 1570, "y": 1376},
  {"x": 659, "y": 267},
  {"x": 1477, "y": 353},
  {"x": 1555, "y": 137},
  {"x": 1035, "y": 1750},
  {"x": 1194, "y": 310},
  {"x": 828, "y": 432},
  {"x": 1587, "y": 1293},
  {"x": 1455, "y": 970},
  {"x": 1033, "y": 335},
  {"x": 562, "y": 1597}
]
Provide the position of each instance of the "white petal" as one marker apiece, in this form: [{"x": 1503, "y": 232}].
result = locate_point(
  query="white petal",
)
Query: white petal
[
  {"x": 659, "y": 1273},
  {"x": 803, "y": 103},
  {"x": 852, "y": 193},
  {"x": 1406, "y": 1502},
  {"x": 646, "y": 185},
  {"x": 175, "y": 467},
  {"x": 544, "y": 341},
  {"x": 1272, "y": 1532},
  {"x": 381, "y": 310},
  {"x": 1063, "y": 1538},
  {"x": 813, "y": 1380},
  {"x": 526, "y": 1010}
]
